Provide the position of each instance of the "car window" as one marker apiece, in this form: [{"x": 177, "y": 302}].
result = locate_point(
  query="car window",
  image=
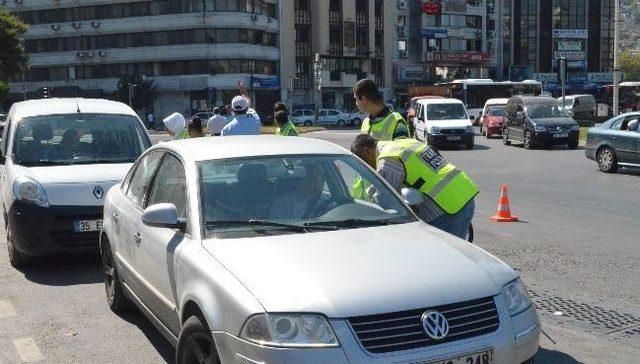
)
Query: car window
[
  {"x": 333, "y": 112},
  {"x": 496, "y": 111},
  {"x": 296, "y": 113},
  {"x": 170, "y": 186},
  {"x": 140, "y": 179},
  {"x": 545, "y": 110},
  {"x": 446, "y": 112},
  {"x": 617, "y": 124}
]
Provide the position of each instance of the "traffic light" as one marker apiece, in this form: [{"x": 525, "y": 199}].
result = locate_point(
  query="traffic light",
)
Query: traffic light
[{"x": 562, "y": 69}]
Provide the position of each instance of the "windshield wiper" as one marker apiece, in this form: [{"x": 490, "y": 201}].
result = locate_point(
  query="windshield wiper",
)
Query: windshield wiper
[
  {"x": 265, "y": 223},
  {"x": 104, "y": 161},
  {"x": 349, "y": 223},
  {"x": 43, "y": 162}
]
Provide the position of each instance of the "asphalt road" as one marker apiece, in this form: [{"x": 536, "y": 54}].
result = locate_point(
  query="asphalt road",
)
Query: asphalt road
[{"x": 576, "y": 250}]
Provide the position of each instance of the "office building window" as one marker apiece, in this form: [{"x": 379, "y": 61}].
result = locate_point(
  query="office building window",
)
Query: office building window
[{"x": 569, "y": 14}]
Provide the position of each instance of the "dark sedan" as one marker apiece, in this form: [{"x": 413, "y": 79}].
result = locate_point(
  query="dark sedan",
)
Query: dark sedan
[{"x": 615, "y": 142}]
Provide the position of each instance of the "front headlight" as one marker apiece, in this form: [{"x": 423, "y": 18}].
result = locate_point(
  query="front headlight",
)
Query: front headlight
[
  {"x": 540, "y": 128},
  {"x": 575, "y": 127},
  {"x": 435, "y": 130},
  {"x": 516, "y": 296},
  {"x": 289, "y": 330},
  {"x": 28, "y": 190}
]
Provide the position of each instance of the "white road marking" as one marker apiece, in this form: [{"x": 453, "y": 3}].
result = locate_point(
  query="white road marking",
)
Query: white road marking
[
  {"x": 6, "y": 310},
  {"x": 28, "y": 350}
]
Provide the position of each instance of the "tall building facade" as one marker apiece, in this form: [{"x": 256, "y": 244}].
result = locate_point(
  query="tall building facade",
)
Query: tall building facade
[
  {"x": 351, "y": 38},
  {"x": 195, "y": 51}
]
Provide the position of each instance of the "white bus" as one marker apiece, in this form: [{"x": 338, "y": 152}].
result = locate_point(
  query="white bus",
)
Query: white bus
[{"x": 475, "y": 92}]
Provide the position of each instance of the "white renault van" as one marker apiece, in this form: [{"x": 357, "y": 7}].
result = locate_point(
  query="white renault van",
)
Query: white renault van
[
  {"x": 441, "y": 122},
  {"x": 60, "y": 157}
]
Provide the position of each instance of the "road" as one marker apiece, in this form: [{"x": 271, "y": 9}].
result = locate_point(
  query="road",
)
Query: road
[{"x": 576, "y": 249}]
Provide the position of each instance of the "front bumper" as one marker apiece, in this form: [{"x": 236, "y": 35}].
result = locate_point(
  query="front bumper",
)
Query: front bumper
[
  {"x": 547, "y": 138},
  {"x": 40, "y": 231},
  {"x": 450, "y": 139}
]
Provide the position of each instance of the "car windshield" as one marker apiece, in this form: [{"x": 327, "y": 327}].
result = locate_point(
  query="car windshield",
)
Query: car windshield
[
  {"x": 446, "y": 112},
  {"x": 293, "y": 194},
  {"x": 78, "y": 139},
  {"x": 497, "y": 111},
  {"x": 545, "y": 110}
]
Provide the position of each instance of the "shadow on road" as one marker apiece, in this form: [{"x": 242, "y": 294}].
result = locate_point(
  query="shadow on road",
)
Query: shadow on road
[
  {"x": 65, "y": 271},
  {"x": 164, "y": 348},
  {"x": 546, "y": 356}
]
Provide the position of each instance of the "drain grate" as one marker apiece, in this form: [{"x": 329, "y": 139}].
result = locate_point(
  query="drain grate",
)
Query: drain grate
[{"x": 594, "y": 317}]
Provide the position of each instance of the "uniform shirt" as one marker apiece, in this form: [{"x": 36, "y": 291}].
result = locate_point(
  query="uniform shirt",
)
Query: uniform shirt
[
  {"x": 402, "y": 131},
  {"x": 242, "y": 125},
  {"x": 393, "y": 172},
  {"x": 215, "y": 124}
]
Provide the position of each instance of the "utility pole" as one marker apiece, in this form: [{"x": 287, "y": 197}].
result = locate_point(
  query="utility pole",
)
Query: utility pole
[
  {"x": 563, "y": 77},
  {"x": 616, "y": 60},
  {"x": 317, "y": 72}
]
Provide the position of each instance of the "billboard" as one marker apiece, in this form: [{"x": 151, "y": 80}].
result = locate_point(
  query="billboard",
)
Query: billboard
[{"x": 571, "y": 33}]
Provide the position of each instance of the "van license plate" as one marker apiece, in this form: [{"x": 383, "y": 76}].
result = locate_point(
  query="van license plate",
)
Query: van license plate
[
  {"x": 83, "y": 226},
  {"x": 561, "y": 135},
  {"x": 482, "y": 357},
  {"x": 453, "y": 138}
]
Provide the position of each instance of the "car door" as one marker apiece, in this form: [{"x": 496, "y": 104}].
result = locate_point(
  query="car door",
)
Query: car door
[
  {"x": 624, "y": 140},
  {"x": 516, "y": 127},
  {"x": 126, "y": 218},
  {"x": 419, "y": 123},
  {"x": 160, "y": 247}
]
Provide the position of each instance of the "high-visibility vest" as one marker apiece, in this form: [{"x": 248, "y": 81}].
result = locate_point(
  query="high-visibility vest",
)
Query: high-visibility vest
[
  {"x": 382, "y": 130},
  {"x": 289, "y": 129},
  {"x": 359, "y": 189},
  {"x": 428, "y": 172},
  {"x": 184, "y": 134}
]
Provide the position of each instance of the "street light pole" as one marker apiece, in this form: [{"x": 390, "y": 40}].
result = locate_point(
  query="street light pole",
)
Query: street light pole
[{"x": 616, "y": 60}]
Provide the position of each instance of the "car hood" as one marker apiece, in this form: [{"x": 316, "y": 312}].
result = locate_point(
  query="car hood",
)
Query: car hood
[
  {"x": 554, "y": 121},
  {"x": 449, "y": 124},
  {"x": 364, "y": 271}
]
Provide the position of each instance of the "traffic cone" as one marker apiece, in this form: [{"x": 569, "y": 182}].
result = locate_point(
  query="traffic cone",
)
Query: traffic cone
[{"x": 504, "y": 211}]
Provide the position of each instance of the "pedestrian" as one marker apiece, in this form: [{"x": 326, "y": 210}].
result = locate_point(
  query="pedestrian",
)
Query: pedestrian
[
  {"x": 216, "y": 122},
  {"x": 448, "y": 192},
  {"x": 175, "y": 124},
  {"x": 382, "y": 123},
  {"x": 150, "y": 120},
  {"x": 284, "y": 125},
  {"x": 195, "y": 128},
  {"x": 242, "y": 123}
]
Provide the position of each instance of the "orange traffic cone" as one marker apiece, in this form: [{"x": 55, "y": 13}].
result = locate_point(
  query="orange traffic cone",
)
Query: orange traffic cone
[{"x": 504, "y": 211}]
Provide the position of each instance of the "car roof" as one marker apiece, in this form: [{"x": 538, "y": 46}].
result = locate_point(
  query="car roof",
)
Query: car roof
[
  {"x": 439, "y": 101},
  {"x": 427, "y": 97},
  {"x": 56, "y": 106},
  {"x": 497, "y": 101},
  {"x": 535, "y": 99},
  {"x": 213, "y": 148}
]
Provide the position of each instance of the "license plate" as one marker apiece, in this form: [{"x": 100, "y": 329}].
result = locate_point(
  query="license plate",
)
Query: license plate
[
  {"x": 83, "y": 226},
  {"x": 561, "y": 135},
  {"x": 481, "y": 357},
  {"x": 456, "y": 137}
]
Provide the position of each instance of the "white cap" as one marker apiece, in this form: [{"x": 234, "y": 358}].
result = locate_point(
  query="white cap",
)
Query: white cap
[{"x": 239, "y": 103}]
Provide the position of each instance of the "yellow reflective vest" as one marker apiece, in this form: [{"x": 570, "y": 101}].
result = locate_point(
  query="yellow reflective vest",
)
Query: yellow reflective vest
[
  {"x": 289, "y": 129},
  {"x": 383, "y": 129},
  {"x": 359, "y": 189},
  {"x": 428, "y": 172}
]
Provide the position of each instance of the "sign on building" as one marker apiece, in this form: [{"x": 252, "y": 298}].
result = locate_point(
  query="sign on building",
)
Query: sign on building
[
  {"x": 569, "y": 45},
  {"x": 600, "y": 77},
  {"x": 571, "y": 33},
  {"x": 545, "y": 77},
  {"x": 570, "y": 55},
  {"x": 434, "y": 32},
  {"x": 449, "y": 57},
  {"x": 431, "y": 8},
  {"x": 411, "y": 73}
]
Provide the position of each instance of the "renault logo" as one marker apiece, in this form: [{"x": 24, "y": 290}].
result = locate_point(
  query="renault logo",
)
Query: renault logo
[
  {"x": 435, "y": 325},
  {"x": 98, "y": 192}
]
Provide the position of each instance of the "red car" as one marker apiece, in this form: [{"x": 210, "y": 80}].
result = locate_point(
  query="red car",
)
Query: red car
[{"x": 492, "y": 117}]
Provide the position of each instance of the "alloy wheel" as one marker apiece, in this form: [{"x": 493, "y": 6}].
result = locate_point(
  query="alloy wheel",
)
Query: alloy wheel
[{"x": 200, "y": 349}]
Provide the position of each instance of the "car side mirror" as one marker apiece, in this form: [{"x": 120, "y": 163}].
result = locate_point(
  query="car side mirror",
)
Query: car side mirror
[
  {"x": 162, "y": 215},
  {"x": 411, "y": 196}
]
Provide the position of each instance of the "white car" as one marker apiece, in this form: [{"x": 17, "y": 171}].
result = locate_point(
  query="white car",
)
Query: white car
[
  {"x": 333, "y": 117},
  {"x": 441, "y": 122},
  {"x": 305, "y": 117},
  {"x": 357, "y": 117},
  {"x": 252, "y": 250},
  {"x": 60, "y": 158}
]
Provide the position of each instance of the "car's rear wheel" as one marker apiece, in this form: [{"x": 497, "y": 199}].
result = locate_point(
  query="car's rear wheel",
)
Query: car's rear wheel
[
  {"x": 573, "y": 144},
  {"x": 607, "y": 160},
  {"x": 195, "y": 344},
  {"x": 116, "y": 298},
  {"x": 469, "y": 145},
  {"x": 528, "y": 141},
  {"x": 340, "y": 123}
]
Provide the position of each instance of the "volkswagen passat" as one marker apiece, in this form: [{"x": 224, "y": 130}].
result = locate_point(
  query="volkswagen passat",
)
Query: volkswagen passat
[{"x": 252, "y": 250}]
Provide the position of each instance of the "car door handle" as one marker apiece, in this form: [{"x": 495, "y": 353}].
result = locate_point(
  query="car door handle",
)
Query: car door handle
[
  {"x": 613, "y": 138},
  {"x": 137, "y": 238},
  {"x": 115, "y": 217}
]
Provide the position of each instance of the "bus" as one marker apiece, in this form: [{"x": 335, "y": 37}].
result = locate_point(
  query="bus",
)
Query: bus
[
  {"x": 475, "y": 92},
  {"x": 629, "y": 97}
]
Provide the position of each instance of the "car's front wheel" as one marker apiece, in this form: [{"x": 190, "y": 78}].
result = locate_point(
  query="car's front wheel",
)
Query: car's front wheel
[
  {"x": 116, "y": 299},
  {"x": 573, "y": 144},
  {"x": 195, "y": 344},
  {"x": 607, "y": 160},
  {"x": 340, "y": 123},
  {"x": 16, "y": 258},
  {"x": 528, "y": 141}
]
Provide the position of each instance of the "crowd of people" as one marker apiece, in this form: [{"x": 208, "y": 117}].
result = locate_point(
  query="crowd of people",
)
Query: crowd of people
[{"x": 385, "y": 144}]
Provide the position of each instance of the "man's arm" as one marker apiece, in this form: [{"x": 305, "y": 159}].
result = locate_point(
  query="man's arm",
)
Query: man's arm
[{"x": 393, "y": 172}]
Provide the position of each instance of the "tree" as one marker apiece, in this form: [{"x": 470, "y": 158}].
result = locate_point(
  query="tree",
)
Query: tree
[
  {"x": 142, "y": 95},
  {"x": 630, "y": 66},
  {"x": 13, "y": 58},
  {"x": 4, "y": 93}
]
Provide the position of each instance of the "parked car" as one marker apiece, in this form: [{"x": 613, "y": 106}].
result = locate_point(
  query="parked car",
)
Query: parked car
[
  {"x": 60, "y": 158},
  {"x": 492, "y": 117},
  {"x": 333, "y": 117},
  {"x": 212, "y": 244},
  {"x": 2, "y": 122},
  {"x": 582, "y": 108},
  {"x": 442, "y": 122},
  {"x": 539, "y": 122},
  {"x": 615, "y": 142},
  {"x": 304, "y": 117},
  {"x": 356, "y": 117}
]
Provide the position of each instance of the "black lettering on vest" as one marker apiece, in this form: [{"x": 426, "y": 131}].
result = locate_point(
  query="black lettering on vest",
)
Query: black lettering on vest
[
  {"x": 432, "y": 158},
  {"x": 418, "y": 183}
]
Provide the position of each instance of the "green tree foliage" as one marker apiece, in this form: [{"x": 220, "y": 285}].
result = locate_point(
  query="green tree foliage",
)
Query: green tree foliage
[
  {"x": 13, "y": 57},
  {"x": 4, "y": 93},
  {"x": 630, "y": 66},
  {"x": 143, "y": 92}
]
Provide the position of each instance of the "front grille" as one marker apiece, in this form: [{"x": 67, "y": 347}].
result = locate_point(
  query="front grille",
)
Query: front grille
[
  {"x": 403, "y": 330},
  {"x": 452, "y": 131},
  {"x": 559, "y": 128},
  {"x": 70, "y": 239}
]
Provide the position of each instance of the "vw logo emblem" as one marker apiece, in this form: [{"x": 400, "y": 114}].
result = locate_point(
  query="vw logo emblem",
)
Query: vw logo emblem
[
  {"x": 98, "y": 192},
  {"x": 435, "y": 325}
]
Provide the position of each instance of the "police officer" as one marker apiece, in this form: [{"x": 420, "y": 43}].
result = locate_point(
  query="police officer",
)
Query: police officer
[
  {"x": 284, "y": 126},
  {"x": 449, "y": 193},
  {"x": 382, "y": 123}
]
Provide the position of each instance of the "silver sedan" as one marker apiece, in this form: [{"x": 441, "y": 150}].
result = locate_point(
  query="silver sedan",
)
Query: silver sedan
[{"x": 254, "y": 250}]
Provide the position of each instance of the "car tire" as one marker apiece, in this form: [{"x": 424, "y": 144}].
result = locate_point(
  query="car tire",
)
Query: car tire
[
  {"x": 195, "y": 344},
  {"x": 505, "y": 138},
  {"x": 527, "y": 140},
  {"x": 340, "y": 124},
  {"x": 573, "y": 144},
  {"x": 469, "y": 145},
  {"x": 607, "y": 160},
  {"x": 116, "y": 298},
  {"x": 307, "y": 123},
  {"x": 16, "y": 258}
]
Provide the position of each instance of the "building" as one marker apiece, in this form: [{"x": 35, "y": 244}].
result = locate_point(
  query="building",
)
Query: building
[
  {"x": 195, "y": 51},
  {"x": 351, "y": 38}
]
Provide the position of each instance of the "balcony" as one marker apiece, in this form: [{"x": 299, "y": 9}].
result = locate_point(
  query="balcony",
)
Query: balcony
[
  {"x": 302, "y": 17},
  {"x": 335, "y": 18}
]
